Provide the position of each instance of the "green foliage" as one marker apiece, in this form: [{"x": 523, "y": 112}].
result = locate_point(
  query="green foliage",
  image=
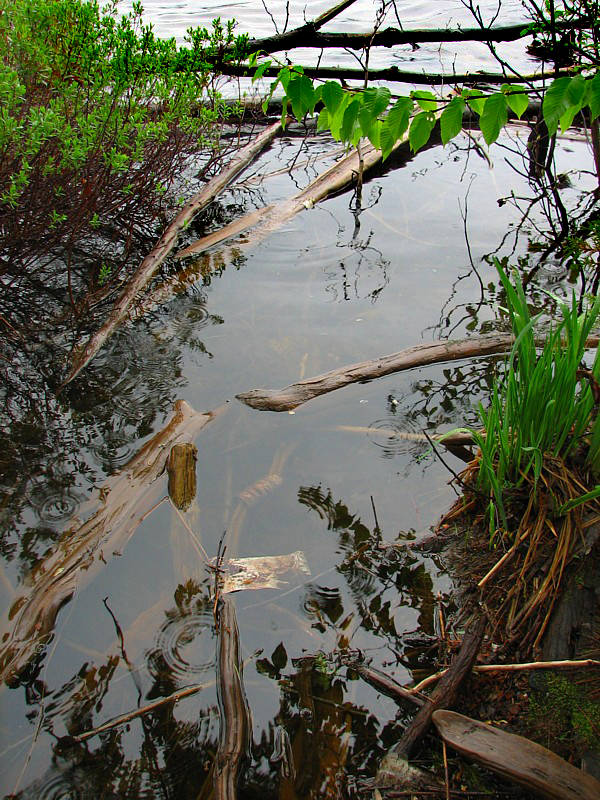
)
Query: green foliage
[
  {"x": 544, "y": 407},
  {"x": 350, "y": 114},
  {"x": 564, "y": 712},
  {"x": 96, "y": 112}
]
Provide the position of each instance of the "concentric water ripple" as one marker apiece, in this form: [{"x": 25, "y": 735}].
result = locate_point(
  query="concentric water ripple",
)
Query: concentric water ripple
[
  {"x": 184, "y": 647},
  {"x": 53, "y": 507}
]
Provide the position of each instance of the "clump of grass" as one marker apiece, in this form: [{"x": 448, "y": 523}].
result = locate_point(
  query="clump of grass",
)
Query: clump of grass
[
  {"x": 545, "y": 408},
  {"x": 538, "y": 459}
]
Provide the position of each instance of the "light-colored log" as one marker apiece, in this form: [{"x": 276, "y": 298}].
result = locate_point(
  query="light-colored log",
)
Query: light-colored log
[{"x": 521, "y": 761}]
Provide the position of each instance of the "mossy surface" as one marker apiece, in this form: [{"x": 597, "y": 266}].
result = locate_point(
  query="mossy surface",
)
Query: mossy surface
[{"x": 565, "y": 713}]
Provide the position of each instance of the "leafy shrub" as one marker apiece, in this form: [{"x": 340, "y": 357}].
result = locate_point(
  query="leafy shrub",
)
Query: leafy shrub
[{"x": 97, "y": 115}]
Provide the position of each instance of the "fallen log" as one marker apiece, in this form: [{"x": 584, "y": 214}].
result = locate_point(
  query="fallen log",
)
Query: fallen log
[
  {"x": 421, "y": 355},
  {"x": 81, "y": 357},
  {"x": 234, "y": 733},
  {"x": 521, "y": 761},
  {"x": 125, "y": 500},
  {"x": 270, "y": 217}
]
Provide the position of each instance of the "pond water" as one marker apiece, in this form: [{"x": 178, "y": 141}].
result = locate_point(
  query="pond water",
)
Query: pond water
[{"x": 334, "y": 286}]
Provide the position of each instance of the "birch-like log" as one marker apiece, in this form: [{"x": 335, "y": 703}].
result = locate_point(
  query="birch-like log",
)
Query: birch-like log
[{"x": 163, "y": 248}]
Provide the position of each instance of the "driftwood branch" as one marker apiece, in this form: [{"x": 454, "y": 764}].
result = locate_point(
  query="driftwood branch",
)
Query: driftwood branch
[
  {"x": 386, "y": 685},
  {"x": 421, "y": 355},
  {"x": 531, "y": 665},
  {"x": 310, "y": 36},
  {"x": 396, "y": 75},
  {"x": 126, "y": 499},
  {"x": 271, "y": 217},
  {"x": 516, "y": 758},
  {"x": 234, "y": 736},
  {"x": 163, "y": 248}
]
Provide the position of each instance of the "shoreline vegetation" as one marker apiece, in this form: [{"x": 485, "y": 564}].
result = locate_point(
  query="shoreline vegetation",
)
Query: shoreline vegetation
[{"x": 104, "y": 125}]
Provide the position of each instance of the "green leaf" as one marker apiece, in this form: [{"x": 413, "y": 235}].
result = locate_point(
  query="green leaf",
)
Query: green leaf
[
  {"x": 425, "y": 100},
  {"x": 593, "y": 95},
  {"x": 555, "y": 103},
  {"x": 517, "y": 98},
  {"x": 420, "y": 130},
  {"x": 374, "y": 134},
  {"x": 350, "y": 121},
  {"x": 475, "y": 100},
  {"x": 576, "y": 90},
  {"x": 262, "y": 68},
  {"x": 301, "y": 94},
  {"x": 332, "y": 95},
  {"x": 395, "y": 125},
  {"x": 494, "y": 117},
  {"x": 336, "y": 119},
  {"x": 283, "y": 77},
  {"x": 323, "y": 122},
  {"x": 451, "y": 119},
  {"x": 374, "y": 101}
]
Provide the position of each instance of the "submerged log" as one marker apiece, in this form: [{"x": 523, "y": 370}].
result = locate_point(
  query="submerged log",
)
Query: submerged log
[
  {"x": 516, "y": 758},
  {"x": 163, "y": 248},
  {"x": 421, "y": 355},
  {"x": 234, "y": 735},
  {"x": 181, "y": 466},
  {"x": 125, "y": 500},
  {"x": 267, "y": 219}
]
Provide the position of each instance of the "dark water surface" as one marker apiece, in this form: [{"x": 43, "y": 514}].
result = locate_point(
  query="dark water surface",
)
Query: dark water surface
[{"x": 331, "y": 287}]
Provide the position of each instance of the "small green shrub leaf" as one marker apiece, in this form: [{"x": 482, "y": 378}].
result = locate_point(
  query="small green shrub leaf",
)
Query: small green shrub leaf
[
  {"x": 517, "y": 98},
  {"x": 451, "y": 119},
  {"x": 475, "y": 100},
  {"x": 420, "y": 130},
  {"x": 301, "y": 94},
  {"x": 555, "y": 103},
  {"x": 332, "y": 95},
  {"x": 494, "y": 117},
  {"x": 425, "y": 100},
  {"x": 593, "y": 95}
]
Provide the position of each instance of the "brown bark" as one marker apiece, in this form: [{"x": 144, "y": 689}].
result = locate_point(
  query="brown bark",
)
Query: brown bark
[
  {"x": 126, "y": 499},
  {"x": 181, "y": 466},
  {"x": 516, "y": 758},
  {"x": 309, "y": 36},
  {"x": 395, "y": 75},
  {"x": 294, "y": 395},
  {"x": 80, "y": 358}
]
